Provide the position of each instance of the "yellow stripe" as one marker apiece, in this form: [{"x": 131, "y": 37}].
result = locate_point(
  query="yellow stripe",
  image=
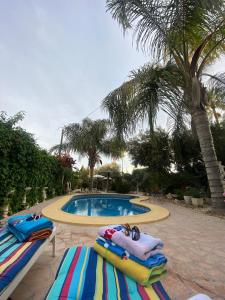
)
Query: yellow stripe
[
  {"x": 117, "y": 284},
  {"x": 99, "y": 279},
  {"x": 82, "y": 273},
  {"x": 14, "y": 257},
  {"x": 151, "y": 293}
]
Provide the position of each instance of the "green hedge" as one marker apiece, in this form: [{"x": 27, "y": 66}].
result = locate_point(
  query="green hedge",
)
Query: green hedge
[{"x": 24, "y": 164}]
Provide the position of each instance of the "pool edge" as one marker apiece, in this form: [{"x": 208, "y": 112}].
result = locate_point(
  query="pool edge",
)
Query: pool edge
[{"x": 55, "y": 213}]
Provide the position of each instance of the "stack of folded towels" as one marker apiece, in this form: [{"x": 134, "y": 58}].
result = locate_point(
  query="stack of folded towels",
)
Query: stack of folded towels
[
  {"x": 30, "y": 227},
  {"x": 141, "y": 260}
]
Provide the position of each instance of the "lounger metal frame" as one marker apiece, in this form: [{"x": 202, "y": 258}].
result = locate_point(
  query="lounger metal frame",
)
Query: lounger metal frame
[{"x": 18, "y": 278}]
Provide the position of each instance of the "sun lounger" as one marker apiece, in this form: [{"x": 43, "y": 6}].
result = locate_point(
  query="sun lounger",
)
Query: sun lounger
[
  {"x": 17, "y": 258},
  {"x": 83, "y": 274}
]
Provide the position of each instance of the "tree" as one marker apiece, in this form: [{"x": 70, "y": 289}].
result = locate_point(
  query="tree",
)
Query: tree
[
  {"x": 216, "y": 96},
  {"x": 113, "y": 168},
  {"x": 90, "y": 139},
  {"x": 191, "y": 35},
  {"x": 185, "y": 151},
  {"x": 151, "y": 87},
  {"x": 151, "y": 151},
  {"x": 218, "y": 132},
  {"x": 24, "y": 164}
]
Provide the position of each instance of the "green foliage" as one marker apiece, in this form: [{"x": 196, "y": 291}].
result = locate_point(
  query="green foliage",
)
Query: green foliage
[
  {"x": 218, "y": 132},
  {"x": 23, "y": 164},
  {"x": 162, "y": 154},
  {"x": 91, "y": 139},
  {"x": 122, "y": 184},
  {"x": 113, "y": 168},
  {"x": 179, "y": 193},
  {"x": 188, "y": 34},
  {"x": 151, "y": 150},
  {"x": 83, "y": 181},
  {"x": 140, "y": 179},
  {"x": 196, "y": 192},
  {"x": 151, "y": 88},
  {"x": 186, "y": 150}
]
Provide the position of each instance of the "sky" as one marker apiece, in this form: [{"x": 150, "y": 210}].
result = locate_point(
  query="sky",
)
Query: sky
[{"x": 58, "y": 60}]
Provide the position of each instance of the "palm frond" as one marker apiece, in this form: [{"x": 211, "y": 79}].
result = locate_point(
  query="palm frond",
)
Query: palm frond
[
  {"x": 216, "y": 81},
  {"x": 64, "y": 147},
  {"x": 150, "y": 88},
  {"x": 174, "y": 27},
  {"x": 11, "y": 121}
]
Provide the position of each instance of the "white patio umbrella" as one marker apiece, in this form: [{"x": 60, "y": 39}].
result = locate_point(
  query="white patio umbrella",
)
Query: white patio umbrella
[{"x": 99, "y": 176}]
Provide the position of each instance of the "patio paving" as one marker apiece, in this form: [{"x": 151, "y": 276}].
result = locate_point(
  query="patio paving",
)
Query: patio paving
[{"x": 194, "y": 245}]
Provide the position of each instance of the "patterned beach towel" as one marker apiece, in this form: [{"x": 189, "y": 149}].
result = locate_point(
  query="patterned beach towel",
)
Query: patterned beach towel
[
  {"x": 144, "y": 276},
  {"x": 83, "y": 274},
  {"x": 14, "y": 256}
]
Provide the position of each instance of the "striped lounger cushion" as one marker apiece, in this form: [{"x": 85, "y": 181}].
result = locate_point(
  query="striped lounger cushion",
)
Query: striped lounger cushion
[
  {"x": 13, "y": 256},
  {"x": 83, "y": 274}
]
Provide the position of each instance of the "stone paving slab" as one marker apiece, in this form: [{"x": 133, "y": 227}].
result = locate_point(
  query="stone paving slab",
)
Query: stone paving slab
[{"x": 194, "y": 245}]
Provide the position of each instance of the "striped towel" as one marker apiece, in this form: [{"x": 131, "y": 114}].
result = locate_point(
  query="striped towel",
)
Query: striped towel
[
  {"x": 155, "y": 260},
  {"x": 39, "y": 235},
  {"x": 83, "y": 274},
  {"x": 22, "y": 229},
  {"x": 13, "y": 256},
  {"x": 144, "y": 276}
]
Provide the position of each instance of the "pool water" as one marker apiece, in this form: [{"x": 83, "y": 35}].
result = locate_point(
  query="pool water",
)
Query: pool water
[{"x": 103, "y": 205}]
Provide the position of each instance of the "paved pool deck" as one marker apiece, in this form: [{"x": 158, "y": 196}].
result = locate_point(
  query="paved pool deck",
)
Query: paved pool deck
[{"x": 194, "y": 245}]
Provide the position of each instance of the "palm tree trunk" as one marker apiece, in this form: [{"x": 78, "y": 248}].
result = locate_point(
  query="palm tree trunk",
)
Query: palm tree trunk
[
  {"x": 91, "y": 177},
  {"x": 202, "y": 127}
]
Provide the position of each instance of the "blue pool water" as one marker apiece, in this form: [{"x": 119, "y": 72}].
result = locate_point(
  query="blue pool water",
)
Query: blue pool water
[{"x": 103, "y": 205}]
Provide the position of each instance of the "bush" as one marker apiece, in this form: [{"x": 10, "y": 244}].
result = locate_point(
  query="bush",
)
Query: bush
[
  {"x": 179, "y": 193},
  {"x": 121, "y": 185},
  {"x": 196, "y": 193},
  {"x": 23, "y": 164}
]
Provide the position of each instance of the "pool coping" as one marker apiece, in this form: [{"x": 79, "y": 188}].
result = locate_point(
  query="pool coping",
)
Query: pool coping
[{"x": 54, "y": 212}]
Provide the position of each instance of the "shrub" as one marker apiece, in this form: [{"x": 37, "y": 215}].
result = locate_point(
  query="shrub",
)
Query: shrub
[
  {"x": 23, "y": 164},
  {"x": 179, "y": 193},
  {"x": 196, "y": 193},
  {"x": 121, "y": 185}
]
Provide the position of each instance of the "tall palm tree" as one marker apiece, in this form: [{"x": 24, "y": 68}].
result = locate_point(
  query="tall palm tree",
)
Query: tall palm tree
[
  {"x": 90, "y": 139},
  {"x": 191, "y": 34}
]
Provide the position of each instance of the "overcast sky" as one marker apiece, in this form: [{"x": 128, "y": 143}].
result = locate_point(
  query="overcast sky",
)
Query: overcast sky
[{"x": 58, "y": 60}]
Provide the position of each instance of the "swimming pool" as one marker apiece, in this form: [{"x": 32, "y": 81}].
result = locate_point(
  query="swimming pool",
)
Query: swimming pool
[
  {"x": 139, "y": 210},
  {"x": 103, "y": 205}
]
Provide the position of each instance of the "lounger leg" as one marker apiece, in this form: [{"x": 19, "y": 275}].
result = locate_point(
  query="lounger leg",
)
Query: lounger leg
[{"x": 53, "y": 246}]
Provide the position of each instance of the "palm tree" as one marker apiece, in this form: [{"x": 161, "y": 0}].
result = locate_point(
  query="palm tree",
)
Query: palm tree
[
  {"x": 151, "y": 88},
  {"x": 216, "y": 96},
  {"x": 90, "y": 139},
  {"x": 190, "y": 33}
]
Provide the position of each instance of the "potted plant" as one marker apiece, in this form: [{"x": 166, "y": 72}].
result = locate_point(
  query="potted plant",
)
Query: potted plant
[
  {"x": 197, "y": 199},
  {"x": 179, "y": 195},
  {"x": 187, "y": 196}
]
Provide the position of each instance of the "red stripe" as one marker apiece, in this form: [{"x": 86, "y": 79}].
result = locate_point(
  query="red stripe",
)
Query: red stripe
[
  {"x": 142, "y": 292},
  {"x": 12, "y": 254},
  {"x": 66, "y": 285},
  {"x": 157, "y": 289},
  {"x": 16, "y": 261}
]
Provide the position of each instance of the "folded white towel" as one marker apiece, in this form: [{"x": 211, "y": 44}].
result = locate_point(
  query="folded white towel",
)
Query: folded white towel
[{"x": 145, "y": 247}]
